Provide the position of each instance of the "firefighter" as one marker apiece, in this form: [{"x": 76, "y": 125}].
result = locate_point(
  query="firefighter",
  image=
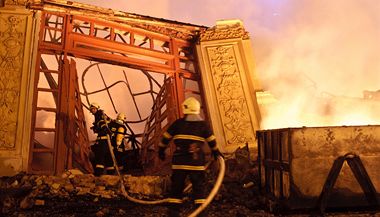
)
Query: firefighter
[
  {"x": 102, "y": 158},
  {"x": 188, "y": 134},
  {"x": 119, "y": 131}
]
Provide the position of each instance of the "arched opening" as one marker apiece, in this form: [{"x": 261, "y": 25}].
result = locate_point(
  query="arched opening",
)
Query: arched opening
[{"x": 82, "y": 59}]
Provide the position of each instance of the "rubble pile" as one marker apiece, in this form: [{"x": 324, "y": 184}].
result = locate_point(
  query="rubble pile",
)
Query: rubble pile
[
  {"x": 28, "y": 192},
  {"x": 75, "y": 194}
]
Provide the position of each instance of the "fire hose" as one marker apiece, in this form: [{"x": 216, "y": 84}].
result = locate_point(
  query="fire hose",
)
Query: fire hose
[
  {"x": 214, "y": 190},
  {"x": 208, "y": 200},
  {"x": 122, "y": 187}
]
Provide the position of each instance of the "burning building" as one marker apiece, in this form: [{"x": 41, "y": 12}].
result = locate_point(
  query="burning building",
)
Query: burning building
[{"x": 59, "y": 56}]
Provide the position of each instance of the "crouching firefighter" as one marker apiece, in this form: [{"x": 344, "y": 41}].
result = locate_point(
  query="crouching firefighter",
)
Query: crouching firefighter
[
  {"x": 188, "y": 134},
  {"x": 102, "y": 157},
  {"x": 119, "y": 131}
]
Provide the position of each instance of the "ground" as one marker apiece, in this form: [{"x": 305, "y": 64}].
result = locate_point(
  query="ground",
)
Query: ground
[
  {"x": 76, "y": 195},
  {"x": 46, "y": 198}
]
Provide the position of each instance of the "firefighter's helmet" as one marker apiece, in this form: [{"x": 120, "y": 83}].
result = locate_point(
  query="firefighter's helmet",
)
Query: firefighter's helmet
[
  {"x": 121, "y": 117},
  {"x": 94, "y": 105},
  {"x": 191, "y": 106}
]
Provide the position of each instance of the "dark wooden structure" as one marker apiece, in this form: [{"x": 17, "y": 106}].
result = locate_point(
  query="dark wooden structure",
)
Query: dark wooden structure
[
  {"x": 69, "y": 29},
  {"x": 320, "y": 168}
]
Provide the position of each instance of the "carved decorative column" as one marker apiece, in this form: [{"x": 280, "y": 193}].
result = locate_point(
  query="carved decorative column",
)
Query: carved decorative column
[
  {"x": 227, "y": 68},
  {"x": 17, "y": 47}
]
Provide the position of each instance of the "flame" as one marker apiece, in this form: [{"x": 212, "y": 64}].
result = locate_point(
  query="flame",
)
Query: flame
[
  {"x": 321, "y": 59},
  {"x": 311, "y": 111},
  {"x": 311, "y": 56}
]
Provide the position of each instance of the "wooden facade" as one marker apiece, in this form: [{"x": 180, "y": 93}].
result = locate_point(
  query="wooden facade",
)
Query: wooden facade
[{"x": 48, "y": 107}]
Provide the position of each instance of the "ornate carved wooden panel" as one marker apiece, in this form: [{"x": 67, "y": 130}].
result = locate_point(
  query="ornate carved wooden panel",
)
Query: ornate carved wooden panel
[
  {"x": 224, "y": 53},
  {"x": 12, "y": 36},
  {"x": 230, "y": 95},
  {"x": 139, "y": 43}
]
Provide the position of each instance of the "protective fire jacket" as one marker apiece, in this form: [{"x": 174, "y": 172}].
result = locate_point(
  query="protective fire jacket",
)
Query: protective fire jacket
[
  {"x": 188, "y": 137},
  {"x": 100, "y": 124},
  {"x": 119, "y": 130}
]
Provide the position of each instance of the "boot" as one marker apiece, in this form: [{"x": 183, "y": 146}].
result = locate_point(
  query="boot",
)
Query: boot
[
  {"x": 173, "y": 210},
  {"x": 173, "y": 213},
  {"x": 98, "y": 171},
  {"x": 204, "y": 213},
  {"x": 111, "y": 172}
]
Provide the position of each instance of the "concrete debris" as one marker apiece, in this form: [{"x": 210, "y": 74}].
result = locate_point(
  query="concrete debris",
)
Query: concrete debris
[
  {"x": 247, "y": 185},
  {"x": 74, "y": 192},
  {"x": 14, "y": 184},
  {"x": 39, "y": 202},
  {"x": 77, "y": 194},
  {"x": 106, "y": 186},
  {"x": 26, "y": 203},
  {"x": 102, "y": 212}
]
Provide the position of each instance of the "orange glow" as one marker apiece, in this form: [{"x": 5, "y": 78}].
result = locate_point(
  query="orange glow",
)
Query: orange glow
[
  {"x": 315, "y": 111},
  {"x": 315, "y": 57}
]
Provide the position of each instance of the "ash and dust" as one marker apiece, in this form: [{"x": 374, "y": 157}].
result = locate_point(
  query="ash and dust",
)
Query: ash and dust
[{"x": 74, "y": 194}]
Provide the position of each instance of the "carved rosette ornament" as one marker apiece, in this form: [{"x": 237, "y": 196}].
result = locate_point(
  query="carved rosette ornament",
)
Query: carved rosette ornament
[
  {"x": 225, "y": 32},
  {"x": 230, "y": 96},
  {"x": 11, "y": 55},
  {"x": 165, "y": 30},
  {"x": 17, "y": 2}
]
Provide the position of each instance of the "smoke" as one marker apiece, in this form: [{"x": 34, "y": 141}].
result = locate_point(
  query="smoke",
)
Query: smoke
[
  {"x": 322, "y": 54},
  {"x": 156, "y": 8},
  {"x": 315, "y": 57},
  {"x": 329, "y": 42}
]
